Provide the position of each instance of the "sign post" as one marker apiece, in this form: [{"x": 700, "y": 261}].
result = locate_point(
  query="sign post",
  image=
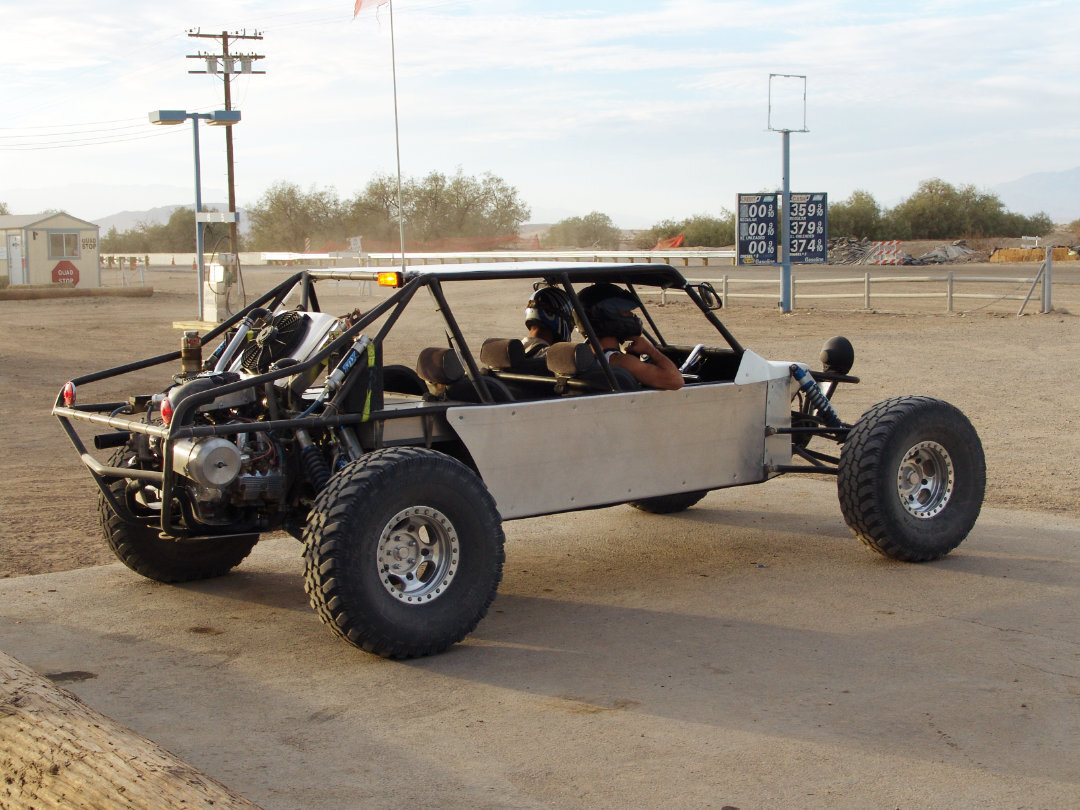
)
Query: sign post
[{"x": 785, "y": 220}]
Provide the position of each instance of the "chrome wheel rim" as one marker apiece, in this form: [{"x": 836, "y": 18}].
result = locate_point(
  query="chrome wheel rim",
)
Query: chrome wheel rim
[
  {"x": 417, "y": 554},
  {"x": 925, "y": 479}
]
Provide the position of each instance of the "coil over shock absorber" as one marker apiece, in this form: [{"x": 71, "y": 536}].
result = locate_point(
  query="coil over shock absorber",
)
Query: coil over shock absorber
[{"x": 812, "y": 391}]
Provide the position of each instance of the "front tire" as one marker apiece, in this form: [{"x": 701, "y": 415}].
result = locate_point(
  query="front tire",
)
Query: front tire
[
  {"x": 911, "y": 478},
  {"x": 141, "y": 548},
  {"x": 403, "y": 552}
]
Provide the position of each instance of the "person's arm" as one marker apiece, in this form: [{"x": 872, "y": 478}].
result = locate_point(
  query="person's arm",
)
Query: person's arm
[{"x": 660, "y": 372}]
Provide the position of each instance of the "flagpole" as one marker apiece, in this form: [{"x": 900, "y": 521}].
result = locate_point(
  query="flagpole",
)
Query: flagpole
[{"x": 397, "y": 139}]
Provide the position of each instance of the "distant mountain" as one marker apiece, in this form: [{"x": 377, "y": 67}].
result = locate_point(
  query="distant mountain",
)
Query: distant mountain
[
  {"x": 1055, "y": 193},
  {"x": 128, "y": 220}
]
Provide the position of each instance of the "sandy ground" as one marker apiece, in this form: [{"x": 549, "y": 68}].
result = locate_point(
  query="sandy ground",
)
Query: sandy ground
[
  {"x": 746, "y": 653},
  {"x": 1015, "y": 378}
]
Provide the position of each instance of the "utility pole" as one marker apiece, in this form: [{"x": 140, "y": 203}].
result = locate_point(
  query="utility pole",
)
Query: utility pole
[{"x": 226, "y": 65}]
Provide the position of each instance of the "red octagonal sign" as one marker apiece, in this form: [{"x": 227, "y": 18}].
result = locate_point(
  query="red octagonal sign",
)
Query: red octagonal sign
[{"x": 65, "y": 273}]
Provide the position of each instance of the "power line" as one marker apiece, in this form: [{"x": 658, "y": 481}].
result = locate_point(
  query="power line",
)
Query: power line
[{"x": 79, "y": 142}]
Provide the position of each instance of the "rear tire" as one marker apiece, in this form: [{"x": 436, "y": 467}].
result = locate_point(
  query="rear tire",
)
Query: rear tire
[
  {"x": 403, "y": 552},
  {"x": 669, "y": 504},
  {"x": 911, "y": 478},
  {"x": 141, "y": 549}
]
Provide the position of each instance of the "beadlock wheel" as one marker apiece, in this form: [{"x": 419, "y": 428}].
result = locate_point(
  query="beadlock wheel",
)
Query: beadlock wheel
[
  {"x": 924, "y": 481},
  {"x": 418, "y": 554}
]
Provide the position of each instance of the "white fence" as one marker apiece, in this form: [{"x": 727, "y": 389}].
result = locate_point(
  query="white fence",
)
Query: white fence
[{"x": 870, "y": 289}]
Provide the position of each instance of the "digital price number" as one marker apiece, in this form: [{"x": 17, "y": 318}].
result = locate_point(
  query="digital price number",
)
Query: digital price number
[{"x": 758, "y": 228}]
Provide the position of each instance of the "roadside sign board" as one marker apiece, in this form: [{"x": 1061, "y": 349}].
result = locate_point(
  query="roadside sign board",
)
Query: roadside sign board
[
  {"x": 809, "y": 228},
  {"x": 758, "y": 228},
  {"x": 758, "y": 238},
  {"x": 65, "y": 273}
]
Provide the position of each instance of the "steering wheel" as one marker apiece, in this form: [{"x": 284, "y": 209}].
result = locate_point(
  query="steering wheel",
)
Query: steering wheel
[{"x": 692, "y": 359}]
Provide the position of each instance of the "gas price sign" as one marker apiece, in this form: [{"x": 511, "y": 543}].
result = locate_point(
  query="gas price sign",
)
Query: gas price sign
[
  {"x": 809, "y": 228},
  {"x": 758, "y": 228}
]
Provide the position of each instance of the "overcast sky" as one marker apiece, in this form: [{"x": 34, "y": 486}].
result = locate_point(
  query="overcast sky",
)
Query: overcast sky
[{"x": 641, "y": 110}]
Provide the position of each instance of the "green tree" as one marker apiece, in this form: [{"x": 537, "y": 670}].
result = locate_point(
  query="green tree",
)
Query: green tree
[
  {"x": 286, "y": 215},
  {"x": 373, "y": 213},
  {"x": 939, "y": 210},
  {"x": 435, "y": 207},
  {"x": 438, "y": 207},
  {"x": 594, "y": 230},
  {"x": 858, "y": 216}
]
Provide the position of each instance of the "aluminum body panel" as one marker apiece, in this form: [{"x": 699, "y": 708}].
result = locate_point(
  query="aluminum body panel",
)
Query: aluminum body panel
[{"x": 577, "y": 452}]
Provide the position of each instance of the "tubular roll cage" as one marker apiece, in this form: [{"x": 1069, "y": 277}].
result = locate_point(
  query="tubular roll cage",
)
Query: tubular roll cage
[{"x": 410, "y": 281}]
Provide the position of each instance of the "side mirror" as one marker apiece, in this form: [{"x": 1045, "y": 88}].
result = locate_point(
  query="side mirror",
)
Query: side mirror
[{"x": 708, "y": 295}]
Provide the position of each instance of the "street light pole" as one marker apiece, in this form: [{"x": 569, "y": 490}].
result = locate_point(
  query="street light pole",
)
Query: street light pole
[
  {"x": 199, "y": 258},
  {"x": 215, "y": 118}
]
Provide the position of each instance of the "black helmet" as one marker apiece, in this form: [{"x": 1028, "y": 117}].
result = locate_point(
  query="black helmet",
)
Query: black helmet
[
  {"x": 610, "y": 310},
  {"x": 551, "y": 307}
]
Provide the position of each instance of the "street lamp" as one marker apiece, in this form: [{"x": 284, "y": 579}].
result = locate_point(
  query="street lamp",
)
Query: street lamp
[{"x": 220, "y": 118}]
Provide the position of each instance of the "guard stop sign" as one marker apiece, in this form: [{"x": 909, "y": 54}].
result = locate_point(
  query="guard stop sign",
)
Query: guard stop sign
[{"x": 65, "y": 273}]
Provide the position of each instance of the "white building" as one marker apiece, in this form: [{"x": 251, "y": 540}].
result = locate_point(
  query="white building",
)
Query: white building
[{"x": 46, "y": 249}]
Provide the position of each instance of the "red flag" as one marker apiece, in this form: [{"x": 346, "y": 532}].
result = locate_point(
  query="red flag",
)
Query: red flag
[{"x": 367, "y": 3}]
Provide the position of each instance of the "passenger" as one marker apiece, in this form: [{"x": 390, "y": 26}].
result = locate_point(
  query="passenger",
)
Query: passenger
[
  {"x": 549, "y": 317},
  {"x": 610, "y": 310}
]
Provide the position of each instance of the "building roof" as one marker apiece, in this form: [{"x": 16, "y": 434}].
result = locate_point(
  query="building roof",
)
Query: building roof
[{"x": 11, "y": 222}]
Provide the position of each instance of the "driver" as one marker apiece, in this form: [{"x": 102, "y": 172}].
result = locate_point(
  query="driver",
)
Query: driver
[{"x": 610, "y": 310}]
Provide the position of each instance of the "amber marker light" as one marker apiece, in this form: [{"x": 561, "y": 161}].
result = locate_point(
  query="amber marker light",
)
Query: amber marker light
[{"x": 390, "y": 279}]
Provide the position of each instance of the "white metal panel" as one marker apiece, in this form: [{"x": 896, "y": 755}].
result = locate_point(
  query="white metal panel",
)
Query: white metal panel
[{"x": 576, "y": 452}]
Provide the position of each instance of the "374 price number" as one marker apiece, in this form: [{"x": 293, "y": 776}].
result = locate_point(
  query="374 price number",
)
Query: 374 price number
[{"x": 800, "y": 245}]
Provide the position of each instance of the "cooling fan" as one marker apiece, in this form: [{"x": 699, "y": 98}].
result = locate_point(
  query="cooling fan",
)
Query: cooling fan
[{"x": 274, "y": 342}]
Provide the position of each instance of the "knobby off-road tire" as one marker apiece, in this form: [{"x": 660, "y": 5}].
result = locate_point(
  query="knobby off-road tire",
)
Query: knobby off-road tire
[
  {"x": 911, "y": 478},
  {"x": 669, "y": 504},
  {"x": 166, "y": 560},
  {"x": 403, "y": 552}
]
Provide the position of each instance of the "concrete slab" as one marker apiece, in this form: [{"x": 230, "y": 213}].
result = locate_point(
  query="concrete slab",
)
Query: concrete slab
[{"x": 748, "y": 653}]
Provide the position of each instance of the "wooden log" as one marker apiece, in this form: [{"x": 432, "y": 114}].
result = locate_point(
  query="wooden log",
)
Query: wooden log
[{"x": 57, "y": 752}]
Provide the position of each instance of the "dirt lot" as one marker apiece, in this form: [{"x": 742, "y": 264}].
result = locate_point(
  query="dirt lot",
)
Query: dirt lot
[{"x": 1016, "y": 378}]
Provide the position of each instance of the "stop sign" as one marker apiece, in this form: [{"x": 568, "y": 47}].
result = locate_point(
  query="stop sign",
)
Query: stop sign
[{"x": 65, "y": 273}]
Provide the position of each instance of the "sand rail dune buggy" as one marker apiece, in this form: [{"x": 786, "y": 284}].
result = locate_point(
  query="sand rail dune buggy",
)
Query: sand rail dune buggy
[{"x": 396, "y": 476}]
